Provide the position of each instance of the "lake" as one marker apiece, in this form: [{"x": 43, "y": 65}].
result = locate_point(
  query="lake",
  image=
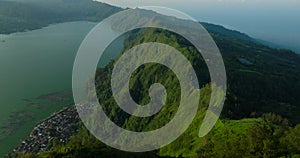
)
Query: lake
[{"x": 32, "y": 64}]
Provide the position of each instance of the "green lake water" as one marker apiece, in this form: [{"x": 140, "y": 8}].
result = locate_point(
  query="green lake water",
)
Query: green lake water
[{"x": 35, "y": 63}]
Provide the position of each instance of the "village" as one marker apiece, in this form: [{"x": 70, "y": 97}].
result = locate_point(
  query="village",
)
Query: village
[{"x": 60, "y": 126}]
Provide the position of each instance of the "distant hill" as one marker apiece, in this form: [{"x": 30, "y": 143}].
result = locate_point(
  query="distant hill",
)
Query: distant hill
[
  {"x": 236, "y": 34},
  {"x": 23, "y": 15},
  {"x": 226, "y": 32}
]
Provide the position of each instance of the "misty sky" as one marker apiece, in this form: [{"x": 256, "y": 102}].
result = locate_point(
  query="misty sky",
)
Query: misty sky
[{"x": 277, "y": 21}]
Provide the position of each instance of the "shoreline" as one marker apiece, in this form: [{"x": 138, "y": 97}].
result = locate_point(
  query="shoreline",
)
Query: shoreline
[
  {"x": 60, "y": 125},
  {"x": 42, "y": 27}
]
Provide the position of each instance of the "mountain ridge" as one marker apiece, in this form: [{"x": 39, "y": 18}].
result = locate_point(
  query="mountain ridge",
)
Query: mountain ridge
[
  {"x": 263, "y": 84},
  {"x": 34, "y": 13}
]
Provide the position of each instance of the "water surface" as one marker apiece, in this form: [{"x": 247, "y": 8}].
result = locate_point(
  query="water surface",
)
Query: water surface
[{"x": 35, "y": 63}]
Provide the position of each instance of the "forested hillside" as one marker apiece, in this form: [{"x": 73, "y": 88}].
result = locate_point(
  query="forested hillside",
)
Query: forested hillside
[
  {"x": 260, "y": 114},
  {"x": 261, "y": 110}
]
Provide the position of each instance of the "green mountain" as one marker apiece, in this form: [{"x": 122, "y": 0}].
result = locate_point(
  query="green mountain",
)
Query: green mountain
[
  {"x": 262, "y": 135},
  {"x": 260, "y": 79},
  {"x": 261, "y": 111}
]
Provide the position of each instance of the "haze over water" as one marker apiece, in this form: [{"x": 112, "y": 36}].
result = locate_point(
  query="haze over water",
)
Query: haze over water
[{"x": 276, "y": 21}]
